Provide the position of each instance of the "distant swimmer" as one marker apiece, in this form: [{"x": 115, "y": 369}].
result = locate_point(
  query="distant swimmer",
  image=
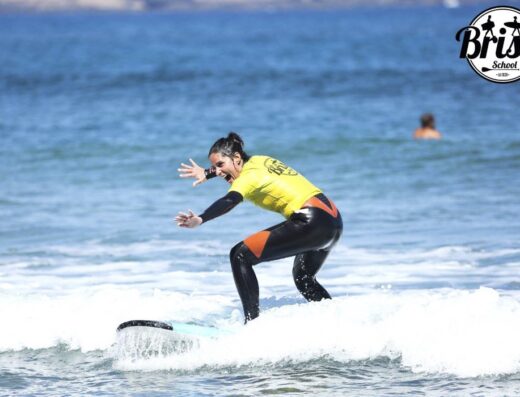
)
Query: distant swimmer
[
  {"x": 427, "y": 129},
  {"x": 311, "y": 228}
]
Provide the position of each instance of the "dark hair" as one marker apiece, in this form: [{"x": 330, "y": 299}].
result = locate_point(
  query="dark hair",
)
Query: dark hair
[
  {"x": 427, "y": 120},
  {"x": 229, "y": 146}
]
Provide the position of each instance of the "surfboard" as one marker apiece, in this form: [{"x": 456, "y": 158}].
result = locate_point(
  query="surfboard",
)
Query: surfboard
[
  {"x": 179, "y": 328},
  {"x": 145, "y": 339},
  {"x": 144, "y": 323}
]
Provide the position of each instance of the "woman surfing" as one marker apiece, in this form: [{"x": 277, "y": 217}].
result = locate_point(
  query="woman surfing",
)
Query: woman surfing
[{"x": 311, "y": 228}]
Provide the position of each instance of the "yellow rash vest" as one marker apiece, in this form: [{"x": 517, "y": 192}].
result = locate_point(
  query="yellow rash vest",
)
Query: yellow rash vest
[{"x": 272, "y": 185}]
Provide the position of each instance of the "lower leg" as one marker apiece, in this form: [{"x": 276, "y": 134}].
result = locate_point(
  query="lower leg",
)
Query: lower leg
[
  {"x": 242, "y": 261},
  {"x": 304, "y": 273}
]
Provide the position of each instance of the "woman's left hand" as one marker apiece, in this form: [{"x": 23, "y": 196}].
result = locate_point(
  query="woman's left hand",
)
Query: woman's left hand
[{"x": 189, "y": 220}]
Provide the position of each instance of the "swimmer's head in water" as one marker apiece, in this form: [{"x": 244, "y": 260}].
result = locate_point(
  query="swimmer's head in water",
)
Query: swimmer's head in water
[
  {"x": 227, "y": 156},
  {"x": 427, "y": 121}
]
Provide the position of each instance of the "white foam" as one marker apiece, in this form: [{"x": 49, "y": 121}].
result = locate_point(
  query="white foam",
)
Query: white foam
[
  {"x": 98, "y": 248},
  {"x": 79, "y": 294},
  {"x": 466, "y": 333},
  {"x": 87, "y": 319},
  {"x": 206, "y": 268}
]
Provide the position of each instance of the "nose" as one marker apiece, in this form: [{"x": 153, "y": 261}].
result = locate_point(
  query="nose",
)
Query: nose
[{"x": 218, "y": 171}]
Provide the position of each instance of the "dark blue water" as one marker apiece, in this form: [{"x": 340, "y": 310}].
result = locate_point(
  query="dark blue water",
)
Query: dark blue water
[{"x": 98, "y": 110}]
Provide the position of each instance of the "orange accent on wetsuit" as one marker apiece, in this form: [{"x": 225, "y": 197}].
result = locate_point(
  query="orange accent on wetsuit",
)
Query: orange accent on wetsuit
[
  {"x": 256, "y": 242},
  {"x": 316, "y": 202}
]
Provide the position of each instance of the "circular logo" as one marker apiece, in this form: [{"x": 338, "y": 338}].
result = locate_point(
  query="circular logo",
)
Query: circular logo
[
  {"x": 491, "y": 44},
  {"x": 277, "y": 167}
]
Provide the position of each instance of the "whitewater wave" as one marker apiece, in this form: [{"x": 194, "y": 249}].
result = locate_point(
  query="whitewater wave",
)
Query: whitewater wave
[
  {"x": 159, "y": 264},
  {"x": 461, "y": 332},
  {"x": 465, "y": 333},
  {"x": 87, "y": 318},
  {"x": 421, "y": 306}
]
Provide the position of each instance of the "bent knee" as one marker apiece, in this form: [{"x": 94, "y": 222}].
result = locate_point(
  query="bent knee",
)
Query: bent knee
[
  {"x": 241, "y": 254},
  {"x": 234, "y": 251}
]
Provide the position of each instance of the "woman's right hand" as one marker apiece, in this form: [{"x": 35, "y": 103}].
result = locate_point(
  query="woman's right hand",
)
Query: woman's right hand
[
  {"x": 192, "y": 171},
  {"x": 189, "y": 220}
]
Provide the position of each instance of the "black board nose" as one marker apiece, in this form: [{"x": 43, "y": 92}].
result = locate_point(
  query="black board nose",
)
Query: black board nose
[{"x": 144, "y": 323}]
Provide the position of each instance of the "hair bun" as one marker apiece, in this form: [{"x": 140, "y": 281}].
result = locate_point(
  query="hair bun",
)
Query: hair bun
[
  {"x": 229, "y": 146},
  {"x": 234, "y": 137}
]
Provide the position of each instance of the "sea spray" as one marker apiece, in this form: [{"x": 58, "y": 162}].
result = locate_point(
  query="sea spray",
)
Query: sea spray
[{"x": 465, "y": 333}]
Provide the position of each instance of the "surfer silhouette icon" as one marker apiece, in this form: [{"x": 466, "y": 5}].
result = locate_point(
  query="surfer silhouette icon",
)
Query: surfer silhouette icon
[
  {"x": 488, "y": 27},
  {"x": 513, "y": 25}
]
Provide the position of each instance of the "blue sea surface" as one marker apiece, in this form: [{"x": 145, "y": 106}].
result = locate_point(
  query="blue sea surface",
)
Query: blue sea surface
[{"x": 98, "y": 110}]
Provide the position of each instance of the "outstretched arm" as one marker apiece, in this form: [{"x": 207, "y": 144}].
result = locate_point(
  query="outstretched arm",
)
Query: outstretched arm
[
  {"x": 196, "y": 171},
  {"x": 219, "y": 207}
]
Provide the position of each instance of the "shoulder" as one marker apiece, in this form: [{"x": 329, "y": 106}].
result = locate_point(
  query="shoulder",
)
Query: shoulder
[
  {"x": 427, "y": 133},
  {"x": 419, "y": 133},
  {"x": 257, "y": 159},
  {"x": 437, "y": 134},
  {"x": 255, "y": 162}
]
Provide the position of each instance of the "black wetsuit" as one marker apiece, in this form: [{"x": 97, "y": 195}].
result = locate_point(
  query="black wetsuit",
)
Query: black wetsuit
[{"x": 309, "y": 234}]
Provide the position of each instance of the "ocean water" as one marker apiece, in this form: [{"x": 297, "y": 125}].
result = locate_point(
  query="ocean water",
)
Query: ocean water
[{"x": 97, "y": 111}]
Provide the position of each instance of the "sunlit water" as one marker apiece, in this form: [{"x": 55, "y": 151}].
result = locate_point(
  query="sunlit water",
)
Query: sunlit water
[{"x": 96, "y": 113}]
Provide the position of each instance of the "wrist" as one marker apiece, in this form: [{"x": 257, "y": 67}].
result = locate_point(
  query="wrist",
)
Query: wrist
[{"x": 210, "y": 172}]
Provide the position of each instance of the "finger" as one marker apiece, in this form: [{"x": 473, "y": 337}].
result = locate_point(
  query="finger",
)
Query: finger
[
  {"x": 193, "y": 163},
  {"x": 186, "y": 173},
  {"x": 191, "y": 213},
  {"x": 186, "y": 166}
]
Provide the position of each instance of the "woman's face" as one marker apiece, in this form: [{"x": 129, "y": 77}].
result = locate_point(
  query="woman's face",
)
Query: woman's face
[{"x": 228, "y": 168}]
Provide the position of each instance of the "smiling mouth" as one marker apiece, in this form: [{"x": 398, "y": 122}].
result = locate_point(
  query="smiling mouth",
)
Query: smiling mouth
[{"x": 228, "y": 178}]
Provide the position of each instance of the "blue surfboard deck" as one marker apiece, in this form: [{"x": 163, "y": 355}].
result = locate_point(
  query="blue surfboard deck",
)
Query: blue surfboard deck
[
  {"x": 197, "y": 330},
  {"x": 180, "y": 328}
]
